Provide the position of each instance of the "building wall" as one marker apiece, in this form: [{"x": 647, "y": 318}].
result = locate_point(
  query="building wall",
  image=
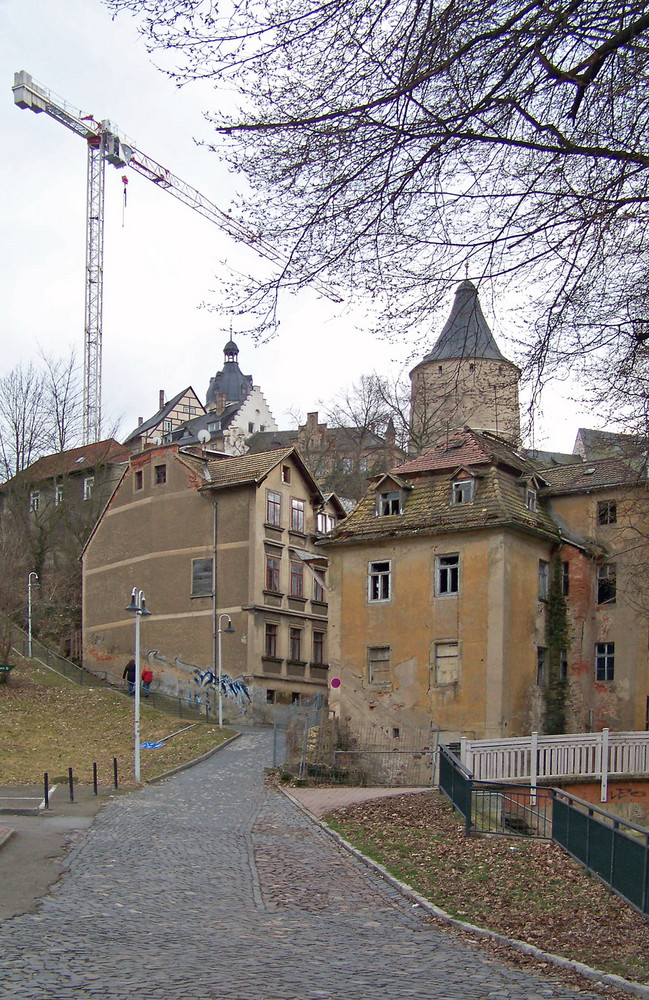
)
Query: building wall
[
  {"x": 149, "y": 537},
  {"x": 620, "y": 703},
  {"x": 449, "y": 394},
  {"x": 496, "y": 620}
]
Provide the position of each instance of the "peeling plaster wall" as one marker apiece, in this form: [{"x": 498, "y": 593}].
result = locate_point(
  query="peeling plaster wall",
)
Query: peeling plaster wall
[{"x": 494, "y": 620}]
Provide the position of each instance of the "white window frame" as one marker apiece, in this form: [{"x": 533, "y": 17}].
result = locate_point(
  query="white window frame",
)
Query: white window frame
[
  {"x": 389, "y": 503},
  {"x": 447, "y": 574},
  {"x": 463, "y": 490},
  {"x": 88, "y": 486},
  {"x": 379, "y": 581},
  {"x": 58, "y": 494},
  {"x": 34, "y": 500}
]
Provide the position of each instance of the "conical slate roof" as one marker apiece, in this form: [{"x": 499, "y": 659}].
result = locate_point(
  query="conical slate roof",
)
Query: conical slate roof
[{"x": 466, "y": 333}]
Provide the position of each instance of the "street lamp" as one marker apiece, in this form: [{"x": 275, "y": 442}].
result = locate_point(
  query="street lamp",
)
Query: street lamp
[
  {"x": 29, "y": 611},
  {"x": 228, "y": 629},
  {"x": 138, "y": 606}
]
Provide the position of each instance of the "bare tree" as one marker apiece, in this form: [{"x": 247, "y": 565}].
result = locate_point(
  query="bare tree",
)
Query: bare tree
[
  {"x": 23, "y": 433},
  {"x": 390, "y": 146},
  {"x": 63, "y": 399}
]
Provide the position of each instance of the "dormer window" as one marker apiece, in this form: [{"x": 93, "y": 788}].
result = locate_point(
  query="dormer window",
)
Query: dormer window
[
  {"x": 463, "y": 490},
  {"x": 388, "y": 503},
  {"x": 530, "y": 499}
]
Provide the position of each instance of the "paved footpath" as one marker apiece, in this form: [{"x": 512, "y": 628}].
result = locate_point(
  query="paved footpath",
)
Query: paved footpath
[{"x": 211, "y": 885}]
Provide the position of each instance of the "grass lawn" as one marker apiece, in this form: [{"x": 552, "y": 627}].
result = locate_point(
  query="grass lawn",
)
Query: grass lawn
[{"x": 50, "y": 724}]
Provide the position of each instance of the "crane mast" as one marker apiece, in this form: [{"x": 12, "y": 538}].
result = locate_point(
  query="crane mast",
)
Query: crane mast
[{"x": 106, "y": 145}]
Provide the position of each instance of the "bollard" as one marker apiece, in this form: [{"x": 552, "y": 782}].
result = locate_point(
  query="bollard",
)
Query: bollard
[
  {"x": 115, "y": 771},
  {"x": 94, "y": 776},
  {"x": 71, "y": 780},
  {"x": 46, "y": 789}
]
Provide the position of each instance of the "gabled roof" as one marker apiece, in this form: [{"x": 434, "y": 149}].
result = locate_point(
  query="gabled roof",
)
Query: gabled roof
[
  {"x": 586, "y": 476},
  {"x": 76, "y": 460},
  {"x": 153, "y": 421},
  {"x": 464, "y": 449},
  {"x": 250, "y": 468},
  {"x": 466, "y": 333}
]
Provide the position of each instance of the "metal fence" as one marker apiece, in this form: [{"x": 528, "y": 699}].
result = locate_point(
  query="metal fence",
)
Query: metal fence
[
  {"x": 614, "y": 849},
  {"x": 319, "y": 750},
  {"x": 610, "y": 847},
  {"x": 177, "y": 706}
]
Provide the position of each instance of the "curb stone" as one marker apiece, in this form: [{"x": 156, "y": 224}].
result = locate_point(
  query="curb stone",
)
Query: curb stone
[
  {"x": 190, "y": 763},
  {"x": 595, "y": 975}
]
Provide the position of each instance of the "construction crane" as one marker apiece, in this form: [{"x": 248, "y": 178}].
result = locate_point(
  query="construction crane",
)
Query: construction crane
[{"x": 107, "y": 145}]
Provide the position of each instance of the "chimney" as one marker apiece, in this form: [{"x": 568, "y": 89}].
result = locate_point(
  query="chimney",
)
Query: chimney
[
  {"x": 140, "y": 421},
  {"x": 162, "y": 399}
]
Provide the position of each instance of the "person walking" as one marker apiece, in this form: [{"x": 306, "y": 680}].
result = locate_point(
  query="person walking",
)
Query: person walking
[
  {"x": 129, "y": 675},
  {"x": 147, "y": 677}
]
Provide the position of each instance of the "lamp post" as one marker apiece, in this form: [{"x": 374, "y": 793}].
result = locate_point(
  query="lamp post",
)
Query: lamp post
[
  {"x": 29, "y": 611},
  {"x": 219, "y": 630},
  {"x": 138, "y": 606}
]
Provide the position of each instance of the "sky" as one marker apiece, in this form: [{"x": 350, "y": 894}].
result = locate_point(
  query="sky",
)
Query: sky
[{"x": 162, "y": 325}]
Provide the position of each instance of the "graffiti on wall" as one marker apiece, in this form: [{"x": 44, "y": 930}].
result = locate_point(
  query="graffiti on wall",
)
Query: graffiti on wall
[{"x": 198, "y": 682}]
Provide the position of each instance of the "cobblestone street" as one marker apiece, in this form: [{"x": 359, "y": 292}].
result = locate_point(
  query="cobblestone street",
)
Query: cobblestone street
[{"x": 210, "y": 885}]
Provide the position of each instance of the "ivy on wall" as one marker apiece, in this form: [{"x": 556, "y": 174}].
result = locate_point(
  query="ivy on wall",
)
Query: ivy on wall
[{"x": 557, "y": 633}]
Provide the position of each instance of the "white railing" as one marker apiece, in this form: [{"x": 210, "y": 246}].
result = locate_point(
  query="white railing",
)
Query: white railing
[{"x": 575, "y": 755}]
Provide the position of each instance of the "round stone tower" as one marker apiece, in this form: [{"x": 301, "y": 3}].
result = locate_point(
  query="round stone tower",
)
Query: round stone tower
[{"x": 464, "y": 381}]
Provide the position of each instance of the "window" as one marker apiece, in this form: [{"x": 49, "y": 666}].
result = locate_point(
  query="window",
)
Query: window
[
  {"x": 379, "y": 581},
  {"x": 530, "y": 500},
  {"x": 388, "y": 503},
  {"x": 605, "y": 661},
  {"x": 167, "y": 426},
  {"x": 563, "y": 664},
  {"x": 294, "y": 643},
  {"x": 447, "y": 663},
  {"x": 138, "y": 480},
  {"x": 88, "y": 486},
  {"x": 379, "y": 665},
  {"x": 607, "y": 512},
  {"x": 270, "y": 696},
  {"x": 262, "y": 428},
  {"x": 272, "y": 573},
  {"x": 541, "y": 666},
  {"x": 297, "y": 580},
  {"x": 160, "y": 474},
  {"x": 251, "y": 427},
  {"x": 606, "y": 583},
  {"x": 270, "y": 640},
  {"x": 318, "y": 591},
  {"x": 58, "y": 494},
  {"x": 544, "y": 580},
  {"x": 286, "y": 473},
  {"x": 273, "y": 508},
  {"x": 565, "y": 578},
  {"x": 214, "y": 425},
  {"x": 463, "y": 491},
  {"x": 201, "y": 577},
  {"x": 448, "y": 574},
  {"x": 297, "y": 515},
  {"x": 318, "y": 647},
  {"x": 34, "y": 500},
  {"x": 325, "y": 523}
]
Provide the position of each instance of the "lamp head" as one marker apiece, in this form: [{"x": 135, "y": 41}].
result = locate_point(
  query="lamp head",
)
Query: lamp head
[
  {"x": 229, "y": 626},
  {"x": 143, "y": 608},
  {"x": 133, "y": 605}
]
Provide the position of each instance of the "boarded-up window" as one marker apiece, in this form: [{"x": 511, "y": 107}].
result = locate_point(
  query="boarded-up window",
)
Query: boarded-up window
[
  {"x": 379, "y": 665},
  {"x": 201, "y": 577},
  {"x": 447, "y": 663}
]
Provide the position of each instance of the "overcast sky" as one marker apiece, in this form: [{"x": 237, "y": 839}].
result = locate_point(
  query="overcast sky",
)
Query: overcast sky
[{"x": 160, "y": 256}]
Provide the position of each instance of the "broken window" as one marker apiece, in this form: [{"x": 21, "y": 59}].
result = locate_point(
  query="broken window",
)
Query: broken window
[
  {"x": 606, "y": 583},
  {"x": 463, "y": 490},
  {"x": 447, "y": 572},
  {"x": 544, "y": 579},
  {"x": 388, "y": 503},
  {"x": 447, "y": 663},
  {"x": 379, "y": 581},
  {"x": 607, "y": 512}
]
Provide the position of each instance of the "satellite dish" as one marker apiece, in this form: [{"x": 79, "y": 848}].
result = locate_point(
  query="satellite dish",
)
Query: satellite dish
[
  {"x": 204, "y": 435},
  {"x": 157, "y": 440}
]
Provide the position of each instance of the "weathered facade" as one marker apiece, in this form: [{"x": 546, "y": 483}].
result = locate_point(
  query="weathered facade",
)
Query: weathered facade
[
  {"x": 464, "y": 596},
  {"x": 203, "y": 539}
]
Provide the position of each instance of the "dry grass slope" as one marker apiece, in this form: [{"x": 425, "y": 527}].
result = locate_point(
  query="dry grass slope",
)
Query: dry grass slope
[{"x": 49, "y": 724}]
